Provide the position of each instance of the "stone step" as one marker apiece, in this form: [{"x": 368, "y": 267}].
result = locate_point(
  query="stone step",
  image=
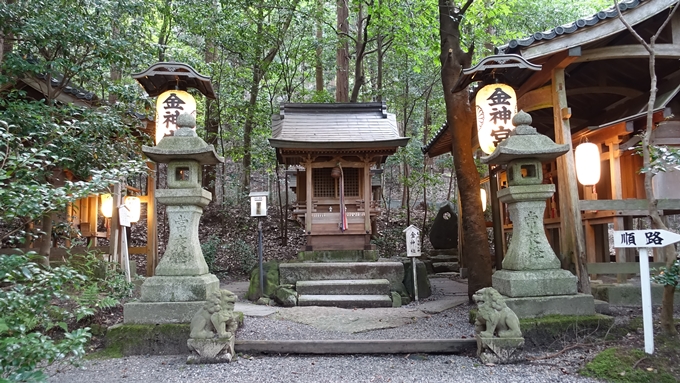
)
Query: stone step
[
  {"x": 291, "y": 273},
  {"x": 437, "y": 252},
  {"x": 344, "y": 287},
  {"x": 445, "y": 267},
  {"x": 443, "y": 258},
  {"x": 346, "y": 301}
]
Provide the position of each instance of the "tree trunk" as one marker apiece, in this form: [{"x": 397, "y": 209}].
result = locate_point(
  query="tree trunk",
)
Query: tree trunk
[
  {"x": 248, "y": 128},
  {"x": 362, "y": 37},
  {"x": 319, "y": 48},
  {"x": 667, "y": 322},
  {"x": 342, "y": 56},
  {"x": 460, "y": 123},
  {"x": 211, "y": 117}
]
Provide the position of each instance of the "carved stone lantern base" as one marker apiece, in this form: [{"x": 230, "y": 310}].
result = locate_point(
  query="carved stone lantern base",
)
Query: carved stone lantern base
[
  {"x": 500, "y": 350},
  {"x": 210, "y": 351}
]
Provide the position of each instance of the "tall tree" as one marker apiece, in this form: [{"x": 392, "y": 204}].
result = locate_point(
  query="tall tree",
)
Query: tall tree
[
  {"x": 460, "y": 119},
  {"x": 342, "y": 55}
]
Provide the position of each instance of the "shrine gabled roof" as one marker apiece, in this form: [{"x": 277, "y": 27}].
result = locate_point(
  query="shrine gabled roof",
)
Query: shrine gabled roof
[{"x": 335, "y": 126}]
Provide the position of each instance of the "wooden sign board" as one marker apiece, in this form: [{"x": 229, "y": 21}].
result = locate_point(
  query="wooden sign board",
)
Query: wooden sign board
[{"x": 644, "y": 238}]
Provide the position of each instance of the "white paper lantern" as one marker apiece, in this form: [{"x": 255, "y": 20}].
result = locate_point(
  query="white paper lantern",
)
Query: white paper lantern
[
  {"x": 587, "y": 159},
  {"x": 496, "y": 105},
  {"x": 169, "y": 105},
  {"x": 482, "y": 191},
  {"x": 107, "y": 205}
]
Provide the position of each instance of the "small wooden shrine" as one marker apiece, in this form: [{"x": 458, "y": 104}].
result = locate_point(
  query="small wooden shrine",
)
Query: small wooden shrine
[{"x": 337, "y": 148}]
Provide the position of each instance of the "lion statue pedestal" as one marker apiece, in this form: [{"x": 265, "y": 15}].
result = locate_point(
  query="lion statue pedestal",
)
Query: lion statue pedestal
[
  {"x": 212, "y": 330},
  {"x": 499, "y": 338}
]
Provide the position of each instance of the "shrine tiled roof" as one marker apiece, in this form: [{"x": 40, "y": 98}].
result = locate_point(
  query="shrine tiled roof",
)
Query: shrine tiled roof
[
  {"x": 340, "y": 125},
  {"x": 610, "y": 13}
]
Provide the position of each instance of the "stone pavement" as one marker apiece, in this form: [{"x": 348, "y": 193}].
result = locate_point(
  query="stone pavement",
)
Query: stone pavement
[{"x": 447, "y": 294}]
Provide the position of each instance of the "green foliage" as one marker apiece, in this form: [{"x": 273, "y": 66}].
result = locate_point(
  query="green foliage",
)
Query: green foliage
[
  {"x": 662, "y": 159},
  {"x": 209, "y": 249},
  {"x": 34, "y": 301},
  {"x": 616, "y": 365},
  {"x": 244, "y": 253},
  {"x": 668, "y": 276}
]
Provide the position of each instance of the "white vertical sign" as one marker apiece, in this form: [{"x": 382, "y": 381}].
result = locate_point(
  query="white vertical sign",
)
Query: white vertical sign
[
  {"x": 644, "y": 239},
  {"x": 413, "y": 251}
]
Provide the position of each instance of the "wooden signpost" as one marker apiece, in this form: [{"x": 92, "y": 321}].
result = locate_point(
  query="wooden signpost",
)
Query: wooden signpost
[
  {"x": 413, "y": 251},
  {"x": 644, "y": 239}
]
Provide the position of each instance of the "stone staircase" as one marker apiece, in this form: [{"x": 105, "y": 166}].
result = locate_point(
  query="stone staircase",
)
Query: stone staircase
[
  {"x": 344, "y": 284},
  {"x": 442, "y": 261}
]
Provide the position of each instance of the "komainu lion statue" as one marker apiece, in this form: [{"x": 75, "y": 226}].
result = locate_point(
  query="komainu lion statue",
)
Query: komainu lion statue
[
  {"x": 494, "y": 317},
  {"x": 216, "y": 317}
]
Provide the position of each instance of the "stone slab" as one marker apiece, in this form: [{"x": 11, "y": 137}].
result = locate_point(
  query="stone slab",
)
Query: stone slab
[
  {"x": 532, "y": 283},
  {"x": 160, "y": 312},
  {"x": 253, "y": 310},
  {"x": 290, "y": 273},
  {"x": 628, "y": 294},
  {"x": 346, "y": 301},
  {"x": 344, "y": 287},
  {"x": 532, "y": 307},
  {"x": 435, "y": 307},
  {"x": 178, "y": 288},
  {"x": 348, "y": 320}
]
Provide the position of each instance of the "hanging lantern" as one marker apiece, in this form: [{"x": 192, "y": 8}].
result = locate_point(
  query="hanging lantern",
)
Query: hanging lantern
[
  {"x": 496, "y": 105},
  {"x": 335, "y": 173},
  {"x": 169, "y": 105},
  {"x": 482, "y": 191},
  {"x": 107, "y": 205},
  {"x": 135, "y": 205},
  {"x": 587, "y": 159}
]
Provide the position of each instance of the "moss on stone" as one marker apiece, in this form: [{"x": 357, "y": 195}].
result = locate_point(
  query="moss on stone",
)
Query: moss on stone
[
  {"x": 271, "y": 281},
  {"x": 544, "y": 331},
  {"x": 617, "y": 365},
  {"x": 140, "y": 339}
]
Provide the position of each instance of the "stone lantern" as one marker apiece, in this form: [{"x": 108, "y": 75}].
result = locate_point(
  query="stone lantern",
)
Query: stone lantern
[
  {"x": 182, "y": 282},
  {"x": 531, "y": 276}
]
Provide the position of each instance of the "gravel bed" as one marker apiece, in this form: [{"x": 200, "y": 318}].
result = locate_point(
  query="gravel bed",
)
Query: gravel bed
[
  {"x": 452, "y": 323},
  {"x": 261, "y": 369}
]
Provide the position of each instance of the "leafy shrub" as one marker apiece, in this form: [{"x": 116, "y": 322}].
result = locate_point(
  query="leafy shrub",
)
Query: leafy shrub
[
  {"x": 209, "y": 249},
  {"x": 244, "y": 253},
  {"x": 668, "y": 276},
  {"x": 34, "y": 301}
]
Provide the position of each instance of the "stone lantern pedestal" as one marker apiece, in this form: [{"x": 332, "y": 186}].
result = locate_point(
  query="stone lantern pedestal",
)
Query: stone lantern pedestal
[
  {"x": 182, "y": 282},
  {"x": 531, "y": 278}
]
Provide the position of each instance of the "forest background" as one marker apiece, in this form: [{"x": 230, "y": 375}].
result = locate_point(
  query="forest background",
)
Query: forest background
[{"x": 259, "y": 54}]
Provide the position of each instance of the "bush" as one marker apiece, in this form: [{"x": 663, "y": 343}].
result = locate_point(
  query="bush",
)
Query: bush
[
  {"x": 244, "y": 253},
  {"x": 34, "y": 301},
  {"x": 209, "y": 249}
]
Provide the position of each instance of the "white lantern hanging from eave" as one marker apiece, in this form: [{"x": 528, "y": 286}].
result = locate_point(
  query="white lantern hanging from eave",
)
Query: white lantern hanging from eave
[
  {"x": 107, "y": 205},
  {"x": 496, "y": 105},
  {"x": 135, "y": 205},
  {"x": 169, "y": 105},
  {"x": 482, "y": 191},
  {"x": 587, "y": 159}
]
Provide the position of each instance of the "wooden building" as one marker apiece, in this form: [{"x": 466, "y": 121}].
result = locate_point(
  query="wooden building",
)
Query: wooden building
[
  {"x": 337, "y": 147},
  {"x": 594, "y": 85}
]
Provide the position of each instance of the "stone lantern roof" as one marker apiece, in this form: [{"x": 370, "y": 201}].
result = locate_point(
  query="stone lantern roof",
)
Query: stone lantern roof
[
  {"x": 525, "y": 142},
  {"x": 183, "y": 145}
]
